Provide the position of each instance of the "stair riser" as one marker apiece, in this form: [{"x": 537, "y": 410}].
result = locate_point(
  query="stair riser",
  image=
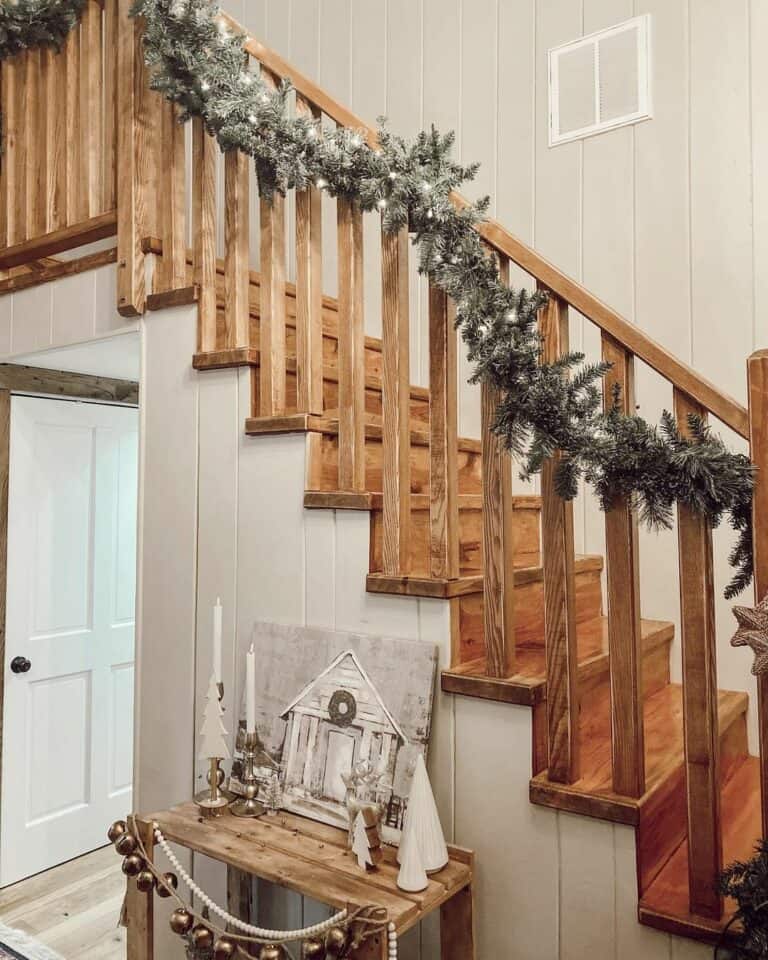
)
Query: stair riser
[
  {"x": 326, "y": 473},
  {"x": 529, "y": 614},
  {"x": 663, "y": 819},
  {"x": 470, "y": 540}
]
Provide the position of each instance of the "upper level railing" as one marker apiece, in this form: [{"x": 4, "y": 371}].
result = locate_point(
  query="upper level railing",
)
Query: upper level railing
[{"x": 171, "y": 193}]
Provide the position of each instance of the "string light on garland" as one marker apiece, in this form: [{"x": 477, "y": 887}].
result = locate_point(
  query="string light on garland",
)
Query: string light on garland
[{"x": 544, "y": 407}]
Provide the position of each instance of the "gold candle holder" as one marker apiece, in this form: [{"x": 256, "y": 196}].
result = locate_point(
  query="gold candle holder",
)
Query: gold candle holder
[
  {"x": 248, "y": 805},
  {"x": 213, "y": 802}
]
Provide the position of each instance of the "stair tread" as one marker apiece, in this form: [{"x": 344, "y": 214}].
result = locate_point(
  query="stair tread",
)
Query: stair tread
[
  {"x": 665, "y": 902},
  {"x": 664, "y": 751},
  {"x": 528, "y": 684}
]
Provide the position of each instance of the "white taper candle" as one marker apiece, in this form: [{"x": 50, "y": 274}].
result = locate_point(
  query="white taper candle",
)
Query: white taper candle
[
  {"x": 250, "y": 691},
  {"x": 217, "y": 622}
]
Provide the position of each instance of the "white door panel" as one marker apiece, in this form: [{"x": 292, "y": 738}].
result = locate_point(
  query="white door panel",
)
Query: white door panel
[{"x": 68, "y": 722}]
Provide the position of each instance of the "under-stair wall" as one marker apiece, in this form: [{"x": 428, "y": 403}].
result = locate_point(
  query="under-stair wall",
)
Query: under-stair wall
[{"x": 223, "y": 516}]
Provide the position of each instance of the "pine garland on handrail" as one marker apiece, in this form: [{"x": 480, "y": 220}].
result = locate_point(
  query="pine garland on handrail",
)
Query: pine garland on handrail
[
  {"x": 198, "y": 63},
  {"x": 26, "y": 24}
]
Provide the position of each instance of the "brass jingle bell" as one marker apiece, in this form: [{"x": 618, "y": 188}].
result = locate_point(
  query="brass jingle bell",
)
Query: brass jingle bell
[
  {"x": 133, "y": 865},
  {"x": 116, "y": 831},
  {"x": 172, "y": 881},
  {"x": 224, "y": 949},
  {"x": 312, "y": 950},
  {"x": 126, "y": 845},
  {"x": 202, "y": 937},
  {"x": 335, "y": 942},
  {"x": 181, "y": 921},
  {"x": 145, "y": 881},
  {"x": 271, "y": 951}
]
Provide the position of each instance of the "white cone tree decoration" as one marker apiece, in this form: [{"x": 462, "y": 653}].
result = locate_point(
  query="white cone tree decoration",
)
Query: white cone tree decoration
[
  {"x": 360, "y": 846},
  {"x": 213, "y": 742},
  {"x": 423, "y": 821},
  {"x": 412, "y": 877}
]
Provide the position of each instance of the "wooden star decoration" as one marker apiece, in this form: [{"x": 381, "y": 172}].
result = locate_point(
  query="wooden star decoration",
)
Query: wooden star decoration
[{"x": 753, "y": 632}]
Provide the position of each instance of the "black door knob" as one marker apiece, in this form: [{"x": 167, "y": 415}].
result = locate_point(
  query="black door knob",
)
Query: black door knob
[{"x": 20, "y": 665}]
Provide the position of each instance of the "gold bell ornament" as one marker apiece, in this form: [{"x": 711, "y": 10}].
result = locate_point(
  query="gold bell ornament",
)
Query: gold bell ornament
[
  {"x": 172, "y": 881},
  {"x": 271, "y": 951},
  {"x": 223, "y": 949},
  {"x": 181, "y": 921},
  {"x": 202, "y": 937},
  {"x": 133, "y": 865},
  {"x": 312, "y": 950},
  {"x": 335, "y": 942},
  {"x": 126, "y": 845},
  {"x": 116, "y": 831},
  {"x": 145, "y": 881}
]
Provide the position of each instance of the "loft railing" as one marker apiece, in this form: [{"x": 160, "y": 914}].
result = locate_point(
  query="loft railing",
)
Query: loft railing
[
  {"x": 58, "y": 172},
  {"x": 69, "y": 116}
]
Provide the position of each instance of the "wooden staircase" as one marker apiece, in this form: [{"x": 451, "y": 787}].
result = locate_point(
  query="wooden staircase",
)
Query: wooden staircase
[{"x": 531, "y": 624}]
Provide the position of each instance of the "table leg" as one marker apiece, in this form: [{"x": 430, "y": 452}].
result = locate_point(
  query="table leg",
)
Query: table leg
[
  {"x": 140, "y": 907},
  {"x": 374, "y": 948},
  {"x": 240, "y": 898},
  {"x": 457, "y": 931}
]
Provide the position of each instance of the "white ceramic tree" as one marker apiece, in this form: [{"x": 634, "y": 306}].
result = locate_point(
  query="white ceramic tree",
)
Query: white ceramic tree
[
  {"x": 360, "y": 845},
  {"x": 424, "y": 821},
  {"x": 213, "y": 733},
  {"x": 412, "y": 877}
]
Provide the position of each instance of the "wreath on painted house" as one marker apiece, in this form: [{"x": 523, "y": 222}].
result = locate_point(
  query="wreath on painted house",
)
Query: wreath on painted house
[
  {"x": 26, "y": 24},
  {"x": 198, "y": 63}
]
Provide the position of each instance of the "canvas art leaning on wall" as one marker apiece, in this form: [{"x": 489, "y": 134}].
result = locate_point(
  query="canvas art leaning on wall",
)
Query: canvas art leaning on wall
[{"x": 339, "y": 713}]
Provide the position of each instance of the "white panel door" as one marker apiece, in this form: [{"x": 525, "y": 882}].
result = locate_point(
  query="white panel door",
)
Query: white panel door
[{"x": 67, "y": 720}]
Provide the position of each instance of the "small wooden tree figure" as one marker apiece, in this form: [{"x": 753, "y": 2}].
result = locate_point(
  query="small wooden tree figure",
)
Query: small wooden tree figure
[
  {"x": 366, "y": 842},
  {"x": 213, "y": 746},
  {"x": 274, "y": 795}
]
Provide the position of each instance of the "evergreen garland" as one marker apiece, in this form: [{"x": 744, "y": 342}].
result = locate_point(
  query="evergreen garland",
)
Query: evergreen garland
[
  {"x": 25, "y": 24},
  {"x": 200, "y": 65},
  {"x": 747, "y": 883}
]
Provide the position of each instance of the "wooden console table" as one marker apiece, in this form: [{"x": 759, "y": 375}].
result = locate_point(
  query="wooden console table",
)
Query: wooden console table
[{"x": 311, "y": 859}]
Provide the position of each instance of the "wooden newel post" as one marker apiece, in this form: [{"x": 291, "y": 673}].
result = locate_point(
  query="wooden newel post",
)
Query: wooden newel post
[
  {"x": 757, "y": 379},
  {"x": 558, "y": 562}
]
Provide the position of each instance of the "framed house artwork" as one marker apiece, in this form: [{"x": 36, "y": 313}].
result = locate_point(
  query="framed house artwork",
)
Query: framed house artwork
[{"x": 331, "y": 704}]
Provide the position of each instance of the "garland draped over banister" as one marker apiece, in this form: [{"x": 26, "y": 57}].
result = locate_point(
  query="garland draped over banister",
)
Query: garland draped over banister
[
  {"x": 26, "y": 24},
  {"x": 200, "y": 64}
]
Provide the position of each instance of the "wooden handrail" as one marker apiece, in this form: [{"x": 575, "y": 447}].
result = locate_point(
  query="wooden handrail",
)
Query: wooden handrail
[{"x": 627, "y": 334}]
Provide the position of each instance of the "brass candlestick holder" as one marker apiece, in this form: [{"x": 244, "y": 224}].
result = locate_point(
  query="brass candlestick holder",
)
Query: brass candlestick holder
[
  {"x": 213, "y": 802},
  {"x": 247, "y": 805}
]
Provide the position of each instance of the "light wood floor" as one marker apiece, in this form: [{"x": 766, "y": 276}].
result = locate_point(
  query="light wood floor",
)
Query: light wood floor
[{"x": 73, "y": 908}]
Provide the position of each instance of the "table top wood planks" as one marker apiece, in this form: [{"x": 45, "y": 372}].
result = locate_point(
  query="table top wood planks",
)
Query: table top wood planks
[{"x": 312, "y": 859}]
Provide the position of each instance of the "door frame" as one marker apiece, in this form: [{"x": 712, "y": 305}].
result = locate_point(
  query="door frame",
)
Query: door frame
[{"x": 56, "y": 385}]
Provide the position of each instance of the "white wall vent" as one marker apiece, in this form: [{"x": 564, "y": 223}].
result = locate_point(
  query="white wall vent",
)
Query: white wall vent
[{"x": 601, "y": 81}]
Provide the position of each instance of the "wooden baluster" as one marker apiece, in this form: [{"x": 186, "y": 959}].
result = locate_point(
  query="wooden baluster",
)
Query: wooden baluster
[
  {"x": 498, "y": 536},
  {"x": 91, "y": 115},
  {"x": 443, "y": 439},
  {"x": 17, "y": 137},
  {"x": 171, "y": 269},
  {"x": 109, "y": 152},
  {"x": 351, "y": 348},
  {"x": 3, "y": 171},
  {"x": 624, "y": 632},
  {"x": 236, "y": 241},
  {"x": 13, "y": 160},
  {"x": 702, "y": 747},
  {"x": 757, "y": 378},
  {"x": 56, "y": 137},
  {"x": 204, "y": 233},
  {"x": 272, "y": 308},
  {"x": 559, "y": 588},
  {"x": 35, "y": 124},
  {"x": 396, "y": 405},
  {"x": 131, "y": 139},
  {"x": 76, "y": 196},
  {"x": 309, "y": 291}
]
